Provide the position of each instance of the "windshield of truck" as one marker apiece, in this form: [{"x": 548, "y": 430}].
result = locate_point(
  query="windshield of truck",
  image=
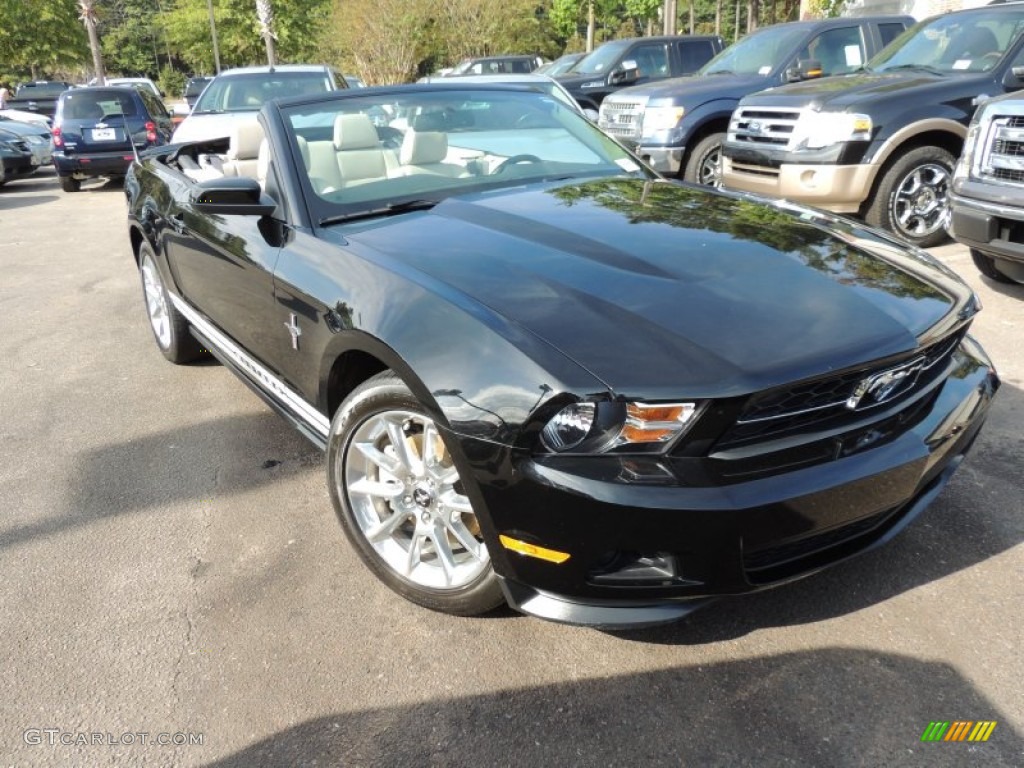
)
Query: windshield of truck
[
  {"x": 759, "y": 53},
  {"x": 957, "y": 42},
  {"x": 248, "y": 92},
  {"x": 601, "y": 60}
]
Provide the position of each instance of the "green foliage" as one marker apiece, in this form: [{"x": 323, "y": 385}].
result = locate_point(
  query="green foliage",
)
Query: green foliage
[
  {"x": 171, "y": 82},
  {"x": 38, "y": 39}
]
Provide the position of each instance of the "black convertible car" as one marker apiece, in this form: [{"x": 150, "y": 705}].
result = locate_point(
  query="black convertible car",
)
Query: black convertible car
[{"x": 541, "y": 373}]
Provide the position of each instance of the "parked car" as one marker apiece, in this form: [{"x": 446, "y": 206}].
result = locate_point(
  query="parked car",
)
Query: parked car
[
  {"x": 193, "y": 88},
  {"x": 97, "y": 130},
  {"x": 354, "y": 81},
  {"x": 678, "y": 125},
  {"x": 633, "y": 61},
  {"x": 542, "y": 83},
  {"x": 39, "y": 97},
  {"x": 33, "y": 118},
  {"x": 137, "y": 82},
  {"x": 236, "y": 95},
  {"x": 987, "y": 195},
  {"x": 36, "y": 136},
  {"x": 881, "y": 143},
  {"x": 16, "y": 157},
  {"x": 496, "y": 65},
  {"x": 545, "y": 375},
  {"x": 560, "y": 66}
]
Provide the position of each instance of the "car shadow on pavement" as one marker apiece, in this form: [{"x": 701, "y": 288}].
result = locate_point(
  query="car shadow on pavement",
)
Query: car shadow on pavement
[
  {"x": 194, "y": 462},
  {"x": 9, "y": 200},
  {"x": 831, "y": 706},
  {"x": 1012, "y": 290},
  {"x": 976, "y": 517}
]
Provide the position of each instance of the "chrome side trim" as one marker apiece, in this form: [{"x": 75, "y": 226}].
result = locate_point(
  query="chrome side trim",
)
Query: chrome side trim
[{"x": 264, "y": 379}]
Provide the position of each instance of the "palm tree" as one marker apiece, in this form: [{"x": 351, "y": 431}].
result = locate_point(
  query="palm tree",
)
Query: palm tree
[
  {"x": 88, "y": 17},
  {"x": 265, "y": 12}
]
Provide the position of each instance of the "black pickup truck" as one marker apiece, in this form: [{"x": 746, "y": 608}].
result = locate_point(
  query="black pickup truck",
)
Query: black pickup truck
[
  {"x": 40, "y": 97},
  {"x": 621, "y": 63},
  {"x": 678, "y": 125},
  {"x": 881, "y": 143}
]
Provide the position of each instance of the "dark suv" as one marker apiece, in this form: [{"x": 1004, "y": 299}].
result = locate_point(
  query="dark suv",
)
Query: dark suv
[{"x": 97, "y": 131}]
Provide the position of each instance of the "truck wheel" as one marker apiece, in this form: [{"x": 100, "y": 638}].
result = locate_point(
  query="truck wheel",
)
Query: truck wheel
[
  {"x": 70, "y": 184},
  {"x": 704, "y": 164},
  {"x": 989, "y": 267},
  {"x": 913, "y": 196}
]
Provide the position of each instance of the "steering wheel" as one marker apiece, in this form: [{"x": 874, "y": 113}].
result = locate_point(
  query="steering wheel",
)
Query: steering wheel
[{"x": 515, "y": 160}]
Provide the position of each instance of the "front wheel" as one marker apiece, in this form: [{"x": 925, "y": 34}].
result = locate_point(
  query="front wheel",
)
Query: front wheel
[
  {"x": 913, "y": 196},
  {"x": 170, "y": 329},
  {"x": 704, "y": 163},
  {"x": 403, "y": 504}
]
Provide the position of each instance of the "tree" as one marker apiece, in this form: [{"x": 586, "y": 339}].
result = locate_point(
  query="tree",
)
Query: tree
[
  {"x": 384, "y": 39},
  {"x": 265, "y": 14},
  {"x": 88, "y": 16},
  {"x": 40, "y": 38}
]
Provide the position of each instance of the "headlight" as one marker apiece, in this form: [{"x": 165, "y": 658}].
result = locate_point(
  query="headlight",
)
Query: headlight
[
  {"x": 661, "y": 119},
  {"x": 966, "y": 161},
  {"x": 587, "y": 427},
  {"x": 816, "y": 130}
]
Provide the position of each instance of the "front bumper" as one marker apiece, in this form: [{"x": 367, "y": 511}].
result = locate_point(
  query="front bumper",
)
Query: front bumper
[
  {"x": 993, "y": 228},
  {"x": 616, "y": 516},
  {"x": 667, "y": 160},
  {"x": 94, "y": 164},
  {"x": 838, "y": 188},
  {"x": 17, "y": 165}
]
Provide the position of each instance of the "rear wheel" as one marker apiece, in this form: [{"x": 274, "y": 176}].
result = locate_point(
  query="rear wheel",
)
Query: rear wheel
[
  {"x": 704, "y": 164},
  {"x": 170, "y": 329},
  {"x": 989, "y": 267},
  {"x": 402, "y": 503},
  {"x": 70, "y": 183},
  {"x": 913, "y": 196}
]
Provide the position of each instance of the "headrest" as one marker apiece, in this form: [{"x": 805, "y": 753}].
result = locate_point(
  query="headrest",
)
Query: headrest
[
  {"x": 263, "y": 162},
  {"x": 245, "y": 140},
  {"x": 355, "y": 132},
  {"x": 423, "y": 147}
]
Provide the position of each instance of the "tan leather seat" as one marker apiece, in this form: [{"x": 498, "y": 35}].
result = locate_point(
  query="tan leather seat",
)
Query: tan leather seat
[
  {"x": 425, "y": 152},
  {"x": 244, "y": 150},
  {"x": 358, "y": 153}
]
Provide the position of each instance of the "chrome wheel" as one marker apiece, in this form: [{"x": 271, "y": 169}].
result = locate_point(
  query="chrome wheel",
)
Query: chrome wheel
[
  {"x": 407, "y": 500},
  {"x": 156, "y": 302},
  {"x": 709, "y": 172},
  {"x": 920, "y": 201}
]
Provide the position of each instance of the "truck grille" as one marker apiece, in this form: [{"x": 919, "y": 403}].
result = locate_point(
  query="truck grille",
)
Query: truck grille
[
  {"x": 763, "y": 126},
  {"x": 1002, "y": 159},
  {"x": 622, "y": 118}
]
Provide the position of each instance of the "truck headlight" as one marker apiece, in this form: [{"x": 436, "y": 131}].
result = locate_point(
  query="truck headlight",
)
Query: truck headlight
[
  {"x": 657, "y": 119},
  {"x": 816, "y": 130}
]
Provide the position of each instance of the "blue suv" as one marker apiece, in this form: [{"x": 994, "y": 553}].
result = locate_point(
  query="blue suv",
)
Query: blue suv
[{"x": 95, "y": 130}]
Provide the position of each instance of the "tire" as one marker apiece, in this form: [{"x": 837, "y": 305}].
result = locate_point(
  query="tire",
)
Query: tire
[
  {"x": 170, "y": 329},
  {"x": 70, "y": 183},
  {"x": 989, "y": 267},
  {"x": 912, "y": 197},
  {"x": 703, "y": 166},
  {"x": 392, "y": 504}
]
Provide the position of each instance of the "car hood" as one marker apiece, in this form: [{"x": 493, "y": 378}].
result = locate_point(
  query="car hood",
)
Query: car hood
[
  {"x": 696, "y": 90},
  {"x": 24, "y": 129},
  {"x": 850, "y": 91},
  {"x": 210, "y": 126},
  {"x": 664, "y": 290}
]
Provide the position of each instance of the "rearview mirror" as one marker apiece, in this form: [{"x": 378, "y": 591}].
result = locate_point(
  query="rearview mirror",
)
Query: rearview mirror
[
  {"x": 239, "y": 196},
  {"x": 804, "y": 69}
]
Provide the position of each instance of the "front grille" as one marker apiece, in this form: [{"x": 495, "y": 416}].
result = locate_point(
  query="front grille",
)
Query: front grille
[
  {"x": 1002, "y": 158},
  {"x": 622, "y": 118},
  {"x": 763, "y": 126},
  {"x": 822, "y": 404}
]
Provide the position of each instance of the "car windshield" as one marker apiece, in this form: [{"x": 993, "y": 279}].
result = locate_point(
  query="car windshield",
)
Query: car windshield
[
  {"x": 959, "y": 42},
  {"x": 383, "y": 152},
  {"x": 561, "y": 65},
  {"x": 248, "y": 92},
  {"x": 760, "y": 53},
  {"x": 195, "y": 86},
  {"x": 601, "y": 60}
]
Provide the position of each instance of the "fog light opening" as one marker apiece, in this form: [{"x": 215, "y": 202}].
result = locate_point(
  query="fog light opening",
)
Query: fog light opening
[{"x": 649, "y": 569}]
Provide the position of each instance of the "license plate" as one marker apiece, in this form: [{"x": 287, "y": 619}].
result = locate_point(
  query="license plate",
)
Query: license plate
[{"x": 103, "y": 134}]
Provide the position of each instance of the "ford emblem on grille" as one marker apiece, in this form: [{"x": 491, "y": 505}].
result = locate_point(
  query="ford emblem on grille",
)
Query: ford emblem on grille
[
  {"x": 880, "y": 387},
  {"x": 754, "y": 127}
]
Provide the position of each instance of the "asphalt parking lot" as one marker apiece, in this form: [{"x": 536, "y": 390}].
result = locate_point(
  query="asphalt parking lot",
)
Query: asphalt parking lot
[{"x": 170, "y": 565}]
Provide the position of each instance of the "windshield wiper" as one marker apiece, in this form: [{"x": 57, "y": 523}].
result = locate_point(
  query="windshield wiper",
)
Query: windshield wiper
[
  {"x": 923, "y": 67},
  {"x": 388, "y": 210}
]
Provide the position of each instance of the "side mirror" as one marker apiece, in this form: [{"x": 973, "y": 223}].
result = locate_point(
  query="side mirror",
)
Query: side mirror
[
  {"x": 1014, "y": 78},
  {"x": 626, "y": 72},
  {"x": 240, "y": 196},
  {"x": 804, "y": 69},
  {"x": 592, "y": 114}
]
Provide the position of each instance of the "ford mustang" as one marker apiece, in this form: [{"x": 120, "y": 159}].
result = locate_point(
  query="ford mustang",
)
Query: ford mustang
[{"x": 544, "y": 375}]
